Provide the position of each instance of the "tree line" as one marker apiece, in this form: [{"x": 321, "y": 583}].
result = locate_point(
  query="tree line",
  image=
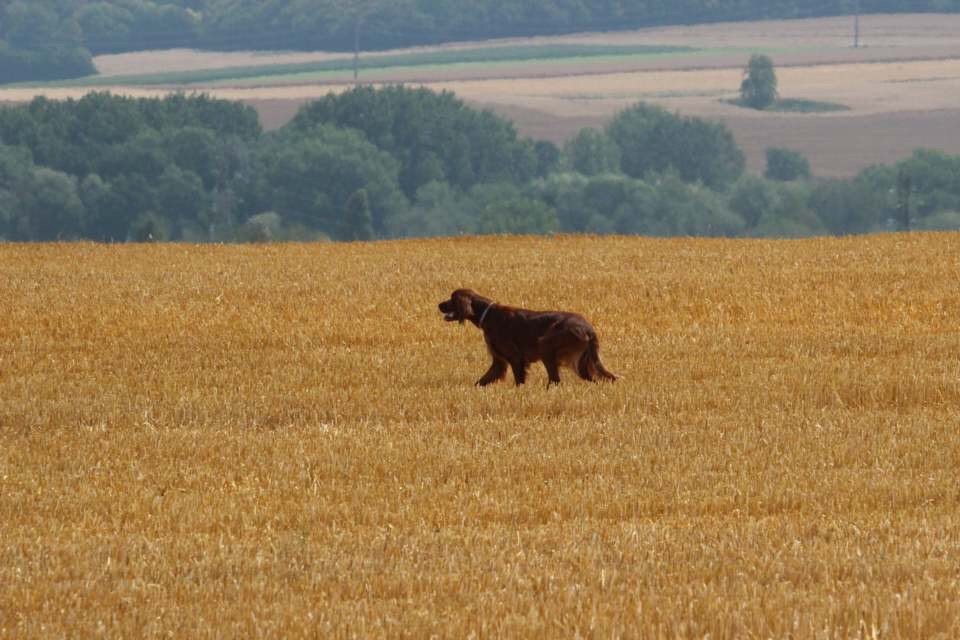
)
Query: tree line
[
  {"x": 54, "y": 39},
  {"x": 397, "y": 162}
]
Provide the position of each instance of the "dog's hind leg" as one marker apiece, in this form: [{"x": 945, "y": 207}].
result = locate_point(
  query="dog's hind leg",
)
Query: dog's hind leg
[{"x": 553, "y": 373}]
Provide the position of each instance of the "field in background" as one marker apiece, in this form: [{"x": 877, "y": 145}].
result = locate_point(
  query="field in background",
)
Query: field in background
[
  {"x": 900, "y": 84},
  {"x": 339, "y": 70},
  {"x": 236, "y": 441}
]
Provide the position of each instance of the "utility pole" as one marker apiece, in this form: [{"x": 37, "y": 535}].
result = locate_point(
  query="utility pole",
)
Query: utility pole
[
  {"x": 904, "y": 189},
  {"x": 354, "y": 14},
  {"x": 356, "y": 49},
  {"x": 856, "y": 24}
]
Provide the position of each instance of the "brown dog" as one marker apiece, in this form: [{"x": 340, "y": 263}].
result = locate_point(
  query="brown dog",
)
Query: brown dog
[{"x": 518, "y": 337}]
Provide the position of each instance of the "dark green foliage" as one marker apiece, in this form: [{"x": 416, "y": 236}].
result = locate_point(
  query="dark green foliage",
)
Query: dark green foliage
[
  {"x": 503, "y": 208},
  {"x": 485, "y": 209},
  {"x": 591, "y": 152},
  {"x": 547, "y": 156},
  {"x": 666, "y": 206},
  {"x": 49, "y": 39},
  {"x": 196, "y": 169},
  {"x": 263, "y": 227},
  {"x": 40, "y": 41},
  {"x": 792, "y": 218},
  {"x": 357, "y": 218},
  {"x": 759, "y": 87},
  {"x": 148, "y": 227},
  {"x": 933, "y": 178},
  {"x": 134, "y": 25},
  {"x": 434, "y": 136},
  {"x": 846, "y": 207},
  {"x": 935, "y": 181},
  {"x": 309, "y": 176},
  {"x": 652, "y": 141},
  {"x": 50, "y": 207},
  {"x": 786, "y": 165},
  {"x": 332, "y": 24},
  {"x": 752, "y": 198},
  {"x": 124, "y": 158},
  {"x": 436, "y": 211}
]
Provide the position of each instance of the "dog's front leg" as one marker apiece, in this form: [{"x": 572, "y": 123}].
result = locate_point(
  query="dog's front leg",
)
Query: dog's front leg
[
  {"x": 496, "y": 372},
  {"x": 519, "y": 370}
]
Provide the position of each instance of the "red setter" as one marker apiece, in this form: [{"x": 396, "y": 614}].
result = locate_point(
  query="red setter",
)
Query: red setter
[{"x": 518, "y": 337}]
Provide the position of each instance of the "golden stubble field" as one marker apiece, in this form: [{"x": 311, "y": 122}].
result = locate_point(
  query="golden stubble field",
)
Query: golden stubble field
[{"x": 284, "y": 441}]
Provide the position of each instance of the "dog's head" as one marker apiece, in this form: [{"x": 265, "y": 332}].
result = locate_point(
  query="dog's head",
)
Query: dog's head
[{"x": 459, "y": 307}]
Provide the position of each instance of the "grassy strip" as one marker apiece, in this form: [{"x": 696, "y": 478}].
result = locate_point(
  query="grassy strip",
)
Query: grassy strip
[
  {"x": 480, "y": 55},
  {"x": 799, "y": 105},
  {"x": 794, "y": 105}
]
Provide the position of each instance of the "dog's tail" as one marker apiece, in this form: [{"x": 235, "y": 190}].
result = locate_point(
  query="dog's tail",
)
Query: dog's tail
[{"x": 590, "y": 367}]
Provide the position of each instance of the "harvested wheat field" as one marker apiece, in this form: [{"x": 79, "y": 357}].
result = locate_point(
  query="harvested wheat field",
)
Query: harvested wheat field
[{"x": 285, "y": 441}]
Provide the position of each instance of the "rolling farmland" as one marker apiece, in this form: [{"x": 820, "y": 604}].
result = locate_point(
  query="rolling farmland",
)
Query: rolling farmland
[
  {"x": 899, "y": 84},
  {"x": 284, "y": 440}
]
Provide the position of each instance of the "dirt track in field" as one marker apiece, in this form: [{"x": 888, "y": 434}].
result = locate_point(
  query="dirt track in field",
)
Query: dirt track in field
[{"x": 900, "y": 85}]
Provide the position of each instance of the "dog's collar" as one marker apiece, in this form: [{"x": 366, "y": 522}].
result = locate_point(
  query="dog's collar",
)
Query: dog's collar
[{"x": 484, "y": 314}]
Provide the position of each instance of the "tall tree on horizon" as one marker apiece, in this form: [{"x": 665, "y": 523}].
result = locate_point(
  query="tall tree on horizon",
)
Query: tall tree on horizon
[{"x": 759, "y": 86}]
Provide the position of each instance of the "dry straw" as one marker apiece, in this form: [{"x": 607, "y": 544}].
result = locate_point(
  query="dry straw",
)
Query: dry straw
[{"x": 208, "y": 441}]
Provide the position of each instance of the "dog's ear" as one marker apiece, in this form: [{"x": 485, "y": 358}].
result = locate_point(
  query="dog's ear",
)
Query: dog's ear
[{"x": 464, "y": 306}]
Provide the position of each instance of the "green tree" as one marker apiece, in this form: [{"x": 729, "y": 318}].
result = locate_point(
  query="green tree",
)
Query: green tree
[
  {"x": 652, "y": 141},
  {"x": 564, "y": 192},
  {"x": 935, "y": 181},
  {"x": 846, "y": 207},
  {"x": 27, "y": 25},
  {"x": 357, "y": 218},
  {"x": 503, "y": 208},
  {"x": 50, "y": 206},
  {"x": 437, "y": 211},
  {"x": 786, "y": 165},
  {"x": 547, "y": 157},
  {"x": 752, "y": 197},
  {"x": 40, "y": 41},
  {"x": 9, "y": 209},
  {"x": 262, "y": 227},
  {"x": 434, "y": 136},
  {"x": 308, "y": 177},
  {"x": 179, "y": 195},
  {"x": 759, "y": 86},
  {"x": 591, "y": 152},
  {"x": 792, "y": 218},
  {"x": 107, "y": 24},
  {"x": 685, "y": 209},
  {"x": 149, "y": 227},
  {"x": 108, "y": 219}
]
